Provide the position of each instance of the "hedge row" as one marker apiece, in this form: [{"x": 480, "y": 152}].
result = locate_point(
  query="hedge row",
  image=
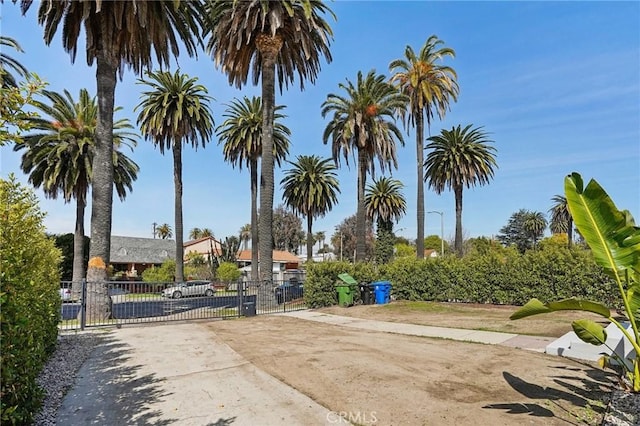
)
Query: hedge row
[
  {"x": 29, "y": 302},
  {"x": 499, "y": 278}
]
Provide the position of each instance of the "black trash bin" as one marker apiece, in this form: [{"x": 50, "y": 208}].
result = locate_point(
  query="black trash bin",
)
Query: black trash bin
[
  {"x": 249, "y": 309},
  {"x": 366, "y": 294}
]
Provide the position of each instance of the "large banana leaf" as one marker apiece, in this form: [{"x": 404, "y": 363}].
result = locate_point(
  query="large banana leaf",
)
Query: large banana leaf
[
  {"x": 590, "y": 331},
  {"x": 535, "y": 307},
  {"x": 611, "y": 234}
]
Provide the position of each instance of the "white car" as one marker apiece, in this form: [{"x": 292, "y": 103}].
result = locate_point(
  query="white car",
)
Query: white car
[{"x": 190, "y": 288}]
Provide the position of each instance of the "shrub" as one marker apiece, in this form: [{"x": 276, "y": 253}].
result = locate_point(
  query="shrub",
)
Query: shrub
[
  {"x": 29, "y": 301},
  {"x": 228, "y": 272}
]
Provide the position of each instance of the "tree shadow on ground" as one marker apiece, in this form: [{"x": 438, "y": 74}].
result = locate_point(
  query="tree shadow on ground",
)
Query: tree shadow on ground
[
  {"x": 223, "y": 422},
  {"x": 110, "y": 391},
  {"x": 580, "y": 387}
]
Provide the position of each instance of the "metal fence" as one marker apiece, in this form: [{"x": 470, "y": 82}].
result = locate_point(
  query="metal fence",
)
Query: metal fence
[{"x": 113, "y": 303}]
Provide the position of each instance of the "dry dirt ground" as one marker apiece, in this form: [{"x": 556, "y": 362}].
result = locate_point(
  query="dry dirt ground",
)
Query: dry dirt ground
[
  {"x": 388, "y": 379},
  {"x": 467, "y": 315}
]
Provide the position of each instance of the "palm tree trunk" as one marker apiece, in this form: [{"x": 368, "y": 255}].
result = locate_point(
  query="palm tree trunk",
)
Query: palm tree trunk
[
  {"x": 361, "y": 212},
  {"x": 102, "y": 176},
  {"x": 78, "y": 250},
  {"x": 254, "y": 219},
  {"x": 420, "y": 184},
  {"x": 177, "y": 181},
  {"x": 98, "y": 301},
  {"x": 458, "y": 242},
  {"x": 570, "y": 233},
  {"x": 265, "y": 234},
  {"x": 309, "y": 238}
]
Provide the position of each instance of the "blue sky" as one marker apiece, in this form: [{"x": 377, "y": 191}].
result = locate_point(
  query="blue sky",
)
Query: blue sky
[{"x": 556, "y": 84}]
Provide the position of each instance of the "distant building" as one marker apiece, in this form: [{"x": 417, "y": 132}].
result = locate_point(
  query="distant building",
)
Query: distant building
[
  {"x": 132, "y": 255},
  {"x": 430, "y": 253},
  {"x": 208, "y": 247},
  {"x": 285, "y": 265}
]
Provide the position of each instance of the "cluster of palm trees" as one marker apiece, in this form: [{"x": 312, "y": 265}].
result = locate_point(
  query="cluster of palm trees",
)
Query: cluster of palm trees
[{"x": 279, "y": 42}]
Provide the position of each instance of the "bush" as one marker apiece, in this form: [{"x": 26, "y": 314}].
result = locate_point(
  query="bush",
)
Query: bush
[
  {"x": 29, "y": 301},
  {"x": 228, "y": 272},
  {"x": 494, "y": 276}
]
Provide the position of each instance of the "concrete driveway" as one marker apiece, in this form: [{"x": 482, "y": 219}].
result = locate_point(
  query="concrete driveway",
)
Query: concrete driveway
[{"x": 180, "y": 374}]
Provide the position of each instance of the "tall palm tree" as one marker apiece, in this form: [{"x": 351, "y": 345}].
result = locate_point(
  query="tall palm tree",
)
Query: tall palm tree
[
  {"x": 118, "y": 34},
  {"x": 534, "y": 225},
  {"x": 385, "y": 202},
  {"x": 286, "y": 38},
  {"x": 6, "y": 62},
  {"x": 459, "y": 157},
  {"x": 319, "y": 237},
  {"x": 241, "y": 133},
  {"x": 59, "y": 157},
  {"x": 363, "y": 122},
  {"x": 164, "y": 231},
  {"x": 430, "y": 87},
  {"x": 245, "y": 235},
  {"x": 206, "y": 232},
  {"x": 175, "y": 111},
  {"x": 311, "y": 189},
  {"x": 561, "y": 220}
]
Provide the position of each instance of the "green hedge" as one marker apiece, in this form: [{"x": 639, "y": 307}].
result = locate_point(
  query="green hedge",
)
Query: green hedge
[
  {"x": 504, "y": 277},
  {"x": 29, "y": 301}
]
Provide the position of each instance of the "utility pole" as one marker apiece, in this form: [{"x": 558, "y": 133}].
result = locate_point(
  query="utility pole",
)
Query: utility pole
[{"x": 154, "y": 230}]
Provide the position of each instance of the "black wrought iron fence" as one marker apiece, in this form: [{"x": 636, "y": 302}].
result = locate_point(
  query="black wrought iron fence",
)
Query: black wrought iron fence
[{"x": 94, "y": 304}]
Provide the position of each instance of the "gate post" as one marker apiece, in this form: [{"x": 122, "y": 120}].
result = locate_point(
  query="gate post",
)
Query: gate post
[
  {"x": 83, "y": 305},
  {"x": 240, "y": 291}
]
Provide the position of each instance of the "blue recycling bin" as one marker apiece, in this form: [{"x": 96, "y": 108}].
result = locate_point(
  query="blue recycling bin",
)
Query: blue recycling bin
[{"x": 382, "y": 292}]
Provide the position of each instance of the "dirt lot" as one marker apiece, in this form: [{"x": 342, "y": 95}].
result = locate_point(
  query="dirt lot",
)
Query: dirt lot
[
  {"x": 387, "y": 379},
  {"x": 467, "y": 315}
]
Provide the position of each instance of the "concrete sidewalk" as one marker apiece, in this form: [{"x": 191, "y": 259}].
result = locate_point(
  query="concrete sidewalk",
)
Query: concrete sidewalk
[
  {"x": 180, "y": 374},
  {"x": 533, "y": 343}
]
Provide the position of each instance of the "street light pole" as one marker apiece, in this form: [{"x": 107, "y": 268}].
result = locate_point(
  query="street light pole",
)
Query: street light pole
[{"x": 441, "y": 230}]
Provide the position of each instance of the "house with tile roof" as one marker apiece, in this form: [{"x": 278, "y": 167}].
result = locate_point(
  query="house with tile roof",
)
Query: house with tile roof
[
  {"x": 208, "y": 247},
  {"x": 285, "y": 264},
  {"x": 132, "y": 255}
]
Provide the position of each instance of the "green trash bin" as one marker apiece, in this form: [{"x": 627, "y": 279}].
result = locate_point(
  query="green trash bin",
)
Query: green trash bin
[{"x": 345, "y": 295}]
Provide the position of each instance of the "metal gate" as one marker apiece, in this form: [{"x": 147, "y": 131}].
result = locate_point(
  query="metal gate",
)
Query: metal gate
[{"x": 113, "y": 303}]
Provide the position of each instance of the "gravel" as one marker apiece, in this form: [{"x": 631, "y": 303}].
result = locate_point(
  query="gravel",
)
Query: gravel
[
  {"x": 59, "y": 373},
  {"x": 623, "y": 409}
]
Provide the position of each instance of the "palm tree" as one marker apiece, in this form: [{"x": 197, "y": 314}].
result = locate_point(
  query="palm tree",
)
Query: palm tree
[
  {"x": 118, "y": 34},
  {"x": 561, "y": 220},
  {"x": 319, "y": 237},
  {"x": 430, "y": 88},
  {"x": 245, "y": 236},
  {"x": 206, "y": 232},
  {"x": 241, "y": 134},
  {"x": 363, "y": 121},
  {"x": 59, "y": 157},
  {"x": 534, "y": 225},
  {"x": 311, "y": 189},
  {"x": 385, "y": 202},
  {"x": 8, "y": 80},
  {"x": 460, "y": 157},
  {"x": 164, "y": 231},
  {"x": 195, "y": 233},
  {"x": 285, "y": 37},
  {"x": 175, "y": 111}
]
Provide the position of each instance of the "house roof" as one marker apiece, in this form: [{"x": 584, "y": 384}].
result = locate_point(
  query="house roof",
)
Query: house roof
[
  {"x": 278, "y": 256},
  {"x": 199, "y": 240},
  {"x": 429, "y": 252},
  {"x": 141, "y": 250}
]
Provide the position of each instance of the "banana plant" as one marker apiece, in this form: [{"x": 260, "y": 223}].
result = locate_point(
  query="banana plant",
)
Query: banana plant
[{"x": 614, "y": 241}]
